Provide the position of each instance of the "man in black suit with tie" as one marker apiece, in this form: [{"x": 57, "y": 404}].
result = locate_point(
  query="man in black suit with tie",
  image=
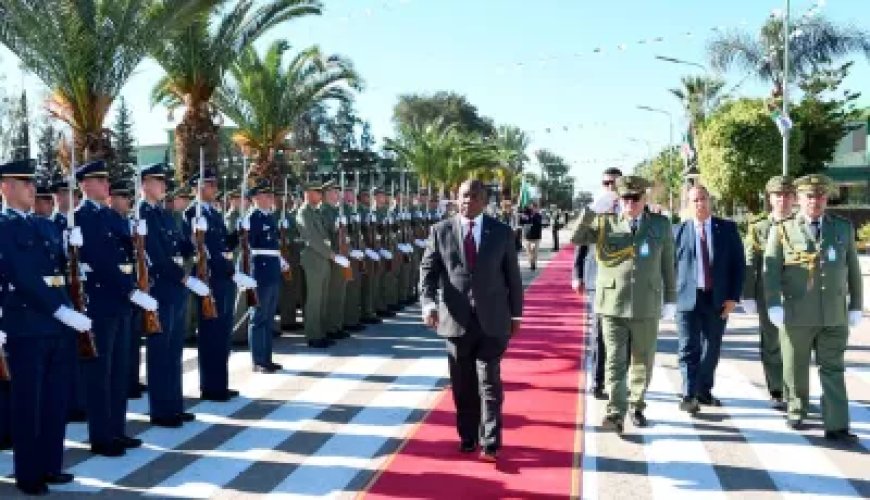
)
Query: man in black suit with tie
[
  {"x": 472, "y": 260},
  {"x": 710, "y": 264}
]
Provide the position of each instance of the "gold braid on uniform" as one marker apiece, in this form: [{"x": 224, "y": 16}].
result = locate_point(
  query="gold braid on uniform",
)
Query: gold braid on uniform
[
  {"x": 610, "y": 258},
  {"x": 753, "y": 242},
  {"x": 799, "y": 258}
]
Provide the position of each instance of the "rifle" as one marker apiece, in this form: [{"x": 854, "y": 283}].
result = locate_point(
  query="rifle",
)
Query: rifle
[
  {"x": 284, "y": 229},
  {"x": 373, "y": 223},
  {"x": 85, "y": 345},
  {"x": 150, "y": 320},
  {"x": 342, "y": 234},
  {"x": 357, "y": 232},
  {"x": 245, "y": 254},
  {"x": 209, "y": 308},
  {"x": 393, "y": 228}
]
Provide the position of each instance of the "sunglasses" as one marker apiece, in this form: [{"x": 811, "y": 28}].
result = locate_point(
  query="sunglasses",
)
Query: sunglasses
[
  {"x": 608, "y": 183},
  {"x": 631, "y": 197}
]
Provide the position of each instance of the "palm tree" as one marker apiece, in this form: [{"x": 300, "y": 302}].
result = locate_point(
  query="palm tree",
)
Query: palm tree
[
  {"x": 427, "y": 148},
  {"x": 512, "y": 144},
  {"x": 195, "y": 60},
  {"x": 699, "y": 95},
  {"x": 85, "y": 50},
  {"x": 815, "y": 42},
  {"x": 266, "y": 100}
]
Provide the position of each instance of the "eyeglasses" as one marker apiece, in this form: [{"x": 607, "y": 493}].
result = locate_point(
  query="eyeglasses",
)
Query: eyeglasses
[
  {"x": 607, "y": 183},
  {"x": 631, "y": 197}
]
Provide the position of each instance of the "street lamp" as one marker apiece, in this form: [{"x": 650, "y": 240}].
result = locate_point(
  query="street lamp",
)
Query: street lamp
[
  {"x": 786, "y": 42},
  {"x": 670, "y": 143},
  {"x": 703, "y": 68},
  {"x": 648, "y": 148}
]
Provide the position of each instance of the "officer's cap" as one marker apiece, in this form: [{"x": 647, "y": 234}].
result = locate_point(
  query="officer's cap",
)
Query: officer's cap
[
  {"x": 233, "y": 193},
  {"x": 92, "y": 169},
  {"x": 60, "y": 185},
  {"x": 631, "y": 184},
  {"x": 814, "y": 183},
  {"x": 43, "y": 191},
  {"x": 120, "y": 188},
  {"x": 183, "y": 192},
  {"x": 260, "y": 186},
  {"x": 780, "y": 184},
  {"x": 330, "y": 184},
  {"x": 209, "y": 174},
  {"x": 155, "y": 170},
  {"x": 312, "y": 185},
  {"x": 18, "y": 169}
]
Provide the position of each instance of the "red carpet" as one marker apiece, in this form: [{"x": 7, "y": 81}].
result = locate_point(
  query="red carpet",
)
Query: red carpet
[{"x": 543, "y": 377}]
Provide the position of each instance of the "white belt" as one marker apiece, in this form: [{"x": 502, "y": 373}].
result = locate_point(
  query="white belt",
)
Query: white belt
[
  {"x": 84, "y": 268},
  {"x": 54, "y": 281},
  {"x": 228, "y": 255},
  {"x": 178, "y": 260},
  {"x": 266, "y": 252},
  {"x": 126, "y": 268}
]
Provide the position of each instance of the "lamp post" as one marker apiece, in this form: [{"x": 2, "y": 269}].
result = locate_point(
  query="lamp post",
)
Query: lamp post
[
  {"x": 670, "y": 144},
  {"x": 649, "y": 155},
  {"x": 786, "y": 42}
]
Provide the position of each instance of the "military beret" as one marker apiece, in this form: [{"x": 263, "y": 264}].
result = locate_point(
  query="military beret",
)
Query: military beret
[
  {"x": 233, "y": 193},
  {"x": 209, "y": 174},
  {"x": 43, "y": 191},
  {"x": 18, "y": 169},
  {"x": 814, "y": 183},
  {"x": 312, "y": 185},
  {"x": 631, "y": 184},
  {"x": 156, "y": 170},
  {"x": 330, "y": 184},
  {"x": 183, "y": 192},
  {"x": 261, "y": 186},
  {"x": 120, "y": 188},
  {"x": 780, "y": 184},
  {"x": 92, "y": 169}
]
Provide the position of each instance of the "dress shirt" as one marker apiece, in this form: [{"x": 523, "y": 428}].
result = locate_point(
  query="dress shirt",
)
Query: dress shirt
[
  {"x": 809, "y": 225},
  {"x": 478, "y": 221},
  {"x": 699, "y": 261}
]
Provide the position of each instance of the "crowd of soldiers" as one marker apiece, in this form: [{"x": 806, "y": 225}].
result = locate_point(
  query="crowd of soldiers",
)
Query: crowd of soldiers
[{"x": 89, "y": 269}]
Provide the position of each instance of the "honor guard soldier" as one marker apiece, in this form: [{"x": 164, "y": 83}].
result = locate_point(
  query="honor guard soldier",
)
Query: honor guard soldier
[
  {"x": 5, "y": 385},
  {"x": 636, "y": 275},
  {"x": 232, "y": 218},
  {"x": 43, "y": 206},
  {"x": 107, "y": 258},
  {"x": 333, "y": 305},
  {"x": 60, "y": 191},
  {"x": 317, "y": 259},
  {"x": 291, "y": 291},
  {"x": 41, "y": 325},
  {"x": 267, "y": 265},
  {"x": 369, "y": 282},
  {"x": 353, "y": 288},
  {"x": 814, "y": 295},
  {"x": 213, "y": 338},
  {"x": 781, "y": 195},
  {"x": 120, "y": 195},
  {"x": 166, "y": 248},
  {"x": 388, "y": 302}
]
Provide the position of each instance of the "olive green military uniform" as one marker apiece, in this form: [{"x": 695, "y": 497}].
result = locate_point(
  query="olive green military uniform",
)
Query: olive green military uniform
[
  {"x": 388, "y": 293},
  {"x": 290, "y": 297},
  {"x": 636, "y": 275},
  {"x": 403, "y": 274},
  {"x": 369, "y": 280},
  {"x": 353, "y": 288},
  {"x": 333, "y": 306},
  {"x": 316, "y": 260},
  {"x": 816, "y": 281}
]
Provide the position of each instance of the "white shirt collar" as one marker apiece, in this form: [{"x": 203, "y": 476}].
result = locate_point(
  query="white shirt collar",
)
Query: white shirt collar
[
  {"x": 19, "y": 212},
  {"x": 706, "y": 222},
  {"x": 477, "y": 220}
]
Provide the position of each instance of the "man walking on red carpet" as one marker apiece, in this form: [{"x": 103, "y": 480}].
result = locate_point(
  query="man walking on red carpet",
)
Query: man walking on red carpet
[{"x": 471, "y": 258}]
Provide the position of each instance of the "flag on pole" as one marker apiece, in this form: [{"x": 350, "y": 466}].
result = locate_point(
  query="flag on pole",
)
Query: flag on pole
[
  {"x": 783, "y": 122},
  {"x": 525, "y": 195}
]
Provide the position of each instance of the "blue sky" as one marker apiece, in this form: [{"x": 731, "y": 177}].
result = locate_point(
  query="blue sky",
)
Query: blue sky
[{"x": 527, "y": 63}]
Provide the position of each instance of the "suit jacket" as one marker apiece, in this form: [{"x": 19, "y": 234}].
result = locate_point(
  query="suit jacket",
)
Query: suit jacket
[
  {"x": 493, "y": 288},
  {"x": 728, "y": 264}
]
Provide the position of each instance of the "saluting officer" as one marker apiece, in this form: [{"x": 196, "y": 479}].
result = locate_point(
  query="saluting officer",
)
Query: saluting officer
[
  {"x": 166, "y": 248},
  {"x": 635, "y": 276},
  {"x": 780, "y": 194},
  {"x": 213, "y": 338},
  {"x": 814, "y": 295},
  {"x": 267, "y": 266},
  {"x": 107, "y": 258},
  {"x": 40, "y": 322},
  {"x": 333, "y": 306}
]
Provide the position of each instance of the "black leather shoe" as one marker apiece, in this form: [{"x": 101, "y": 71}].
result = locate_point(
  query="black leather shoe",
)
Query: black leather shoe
[
  {"x": 372, "y": 321},
  {"x": 275, "y": 366},
  {"x": 290, "y": 327},
  {"x": 134, "y": 394},
  {"x": 6, "y": 444},
  {"x": 709, "y": 400},
  {"x": 387, "y": 314},
  {"x": 795, "y": 424},
  {"x": 113, "y": 449},
  {"x": 599, "y": 393},
  {"x": 777, "y": 403},
  {"x": 339, "y": 335},
  {"x": 77, "y": 416},
  {"x": 129, "y": 442},
  {"x": 638, "y": 419},
  {"x": 689, "y": 405},
  {"x": 172, "y": 422},
  {"x": 263, "y": 369},
  {"x": 354, "y": 328},
  {"x": 59, "y": 478},
  {"x": 186, "y": 416},
  {"x": 612, "y": 423},
  {"x": 842, "y": 435},
  {"x": 217, "y": 397},
  {"x": 467, "y": 446},
  {"x": 33, "y": 489},
  {"x": 320, "y": 343},
  {"x": 489, "y": 454}
]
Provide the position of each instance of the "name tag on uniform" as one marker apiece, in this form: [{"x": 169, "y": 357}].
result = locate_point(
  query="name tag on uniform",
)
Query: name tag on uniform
[
  {"x": 644, "y": 249},
  {"x": 832, "y": 254}
]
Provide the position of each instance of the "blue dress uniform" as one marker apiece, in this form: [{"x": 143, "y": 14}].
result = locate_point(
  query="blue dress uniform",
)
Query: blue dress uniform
[
  {"x": 264, "y": 240},
  {"x": 107, "y": 257},
  {"x": 213, "y": 338},
  {"x": 5, "y": 388},
  {"x": 166, "y": 249},
  {"x": 41, "y": 349}
]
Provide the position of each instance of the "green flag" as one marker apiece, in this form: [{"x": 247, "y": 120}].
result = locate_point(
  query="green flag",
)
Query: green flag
[{"x": 525, "y": 195}]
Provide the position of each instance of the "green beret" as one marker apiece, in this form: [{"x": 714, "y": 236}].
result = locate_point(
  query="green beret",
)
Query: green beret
[
  {"x": 780, "y": 184},
  {"x": 631, "y": 184},
  {"x": 814, "y": 183},
  {"x": 312, "y": 186}
]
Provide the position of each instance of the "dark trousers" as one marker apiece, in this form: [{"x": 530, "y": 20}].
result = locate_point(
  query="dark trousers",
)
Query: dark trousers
[
  {"x": 163, "y": 357},
  {"x": 41, "y": 368},
  {"x": 700, "y": 340},
  {"x": 5, "y": 413},
  {"x": 135, "y": 351},
  {"x": 105, "y": 378},
  {"x": 213, "y": 340},
  {"x": 602, "y": 355},
  {"x": 475, "y": 378},
  {"x": 260, "y": 327}
]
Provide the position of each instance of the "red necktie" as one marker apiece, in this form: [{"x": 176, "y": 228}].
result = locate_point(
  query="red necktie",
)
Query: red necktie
[
  {"x": 470, "y": 246},
  {"x": 705, "y": 259}
]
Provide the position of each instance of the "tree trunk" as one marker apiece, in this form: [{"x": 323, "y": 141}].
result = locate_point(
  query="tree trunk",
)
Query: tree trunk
[{"x": 196, "y": 130}]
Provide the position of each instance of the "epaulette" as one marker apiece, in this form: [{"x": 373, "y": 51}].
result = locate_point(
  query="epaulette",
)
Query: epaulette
[{"x": 758, "y": 217}]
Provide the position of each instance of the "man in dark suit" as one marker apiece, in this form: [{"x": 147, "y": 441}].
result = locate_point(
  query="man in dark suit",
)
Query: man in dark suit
[
  {"x": 710, "y": 264},
  {"x": 472, "y": 260},
  {"x": 533, "y": 224}
]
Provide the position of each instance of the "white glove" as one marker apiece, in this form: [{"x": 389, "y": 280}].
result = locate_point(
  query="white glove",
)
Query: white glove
[
  {"x": 776, "y": 316},
  {"x": 420, "y": 243},
  {"x": 196, "y": 286},
  {"x": 245, "y": 223},
  {"x": 575, "y": 285},
  {"x": 73, "y": 319},
  {"x": 355, "y": 218},
  {"x": 386, "y": 254},
  {"x": 604, "y": 203},
  {"x": 372, "y": 254},
  {"x": 2, "y": 338},
  {"x": 244, "y": 282},
  {"x": 341, "y": 260},
  {"x": 143, "y": 300},
  {"x": 200, "y": 224},
  {"x": 356, "y": 254},
  {"x": 669, "y": 311},
  {"x": 284, "y": 224},
  {"x": 284, "y": 265},
  {"x": 749, "y": 306},
  {"x": 342, "y": 220},
  {"x": 73, "y": 237},
  {"x": 855, "y": 318},
  {"x": 142, "y": 228}
]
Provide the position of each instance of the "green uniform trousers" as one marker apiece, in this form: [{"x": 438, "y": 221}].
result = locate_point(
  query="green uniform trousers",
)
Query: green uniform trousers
[
  {"x": 353, "y": 289},
  {"x": 316, "y": 287},
  {"x": 367, "y": 294},
  {"x": 333, "y": 306},
  {"x": 289, "y": 299},
  {"x": 403, "y": 277},
  {"x": 830, "y": 344},
  {"x": 771, "y": 354},
  {"x": 390, "y": 287},
  {"x": 617, "y": 332}
]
